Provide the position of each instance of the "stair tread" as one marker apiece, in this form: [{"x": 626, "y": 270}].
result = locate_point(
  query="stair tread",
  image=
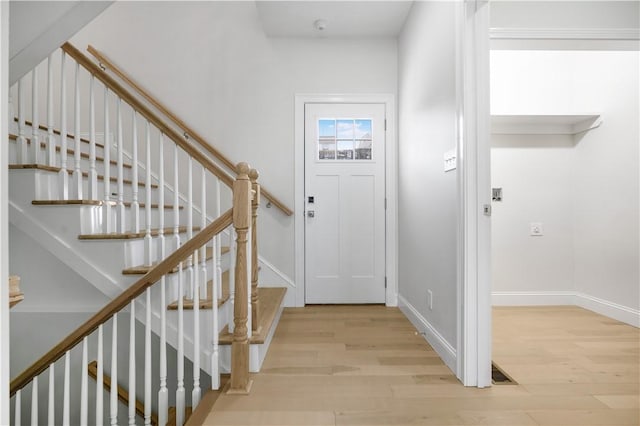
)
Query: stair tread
[
  {"x": 187, "y": 304},
  {"x": 171, "y": 421},
  {"x": 71, "y": 151},
  {"x": 143, "y": 269},
  {"x": 92, "y": 203},
  {"x": 202, "y": 411},
  {"x": 133, "y": 235},
  {"x": 270, "y": 302},
  {"x": 57, "y": 132},
  {"x": 70, "y": 171}
]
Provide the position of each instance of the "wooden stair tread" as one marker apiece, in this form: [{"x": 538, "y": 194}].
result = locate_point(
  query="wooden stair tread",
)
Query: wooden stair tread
[
  {"x": 270, "y": 302},
  {"x": 57, "y": 132},
  {"x": 200, "y": 414},
  {"x": 187, "y": 304},
  {"x": 93, "y": 203},
  {"x": 15, "y": 299},
  {"x": 71, "y": 151},
  {"x": 70, "y": 171},
  {"x": 143, "y": 269},
  {"x": 134, "y": 235},
  {"x": 123, "y": 394},
  {"x": 171, "y": 420}
]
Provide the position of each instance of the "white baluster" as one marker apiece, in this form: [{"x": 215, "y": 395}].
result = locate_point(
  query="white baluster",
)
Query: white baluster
[
  {"x": 12, "y": 126},
  {"x": 132, "y": 364},
  {"x": 163, "y": 393},
  {"x": 148, "y": 241},
  {"x": 84, "y": 386},
  {"x": 51, "y": 140},
  {"x": 195, "y": 393},
  {"x": 218, "y": 241},
  {"x": 180, "y": 393},
  {"x": 122, "y": 226},
  {"x": 63, "y": 174},
  {"x": 77, "y": 172},
  {"x": 190, "y": 270},
  {"x": 51, "y": 408},
  {"x": 17, "y": 414},
  {"x": 135, "y": 205},
  {"x": 106, "y": 206},
  {"x": 176, "y": 201},
  {"x": 93, "y": 174},
  {"x": 35, "y": 121},
  {"x": 147, "y": 358},
  {"x": 66, "y": 398},
  {"x": 22, "y": 151},
  {"x": 113, "y": 406},
  {"x": 100, "y": 378},
  {"x": 161, "y": 240},
  {"x": 215, "y": 356},
  {"x": 34, "y": 402},
  {"x": 203, "y": 224}
]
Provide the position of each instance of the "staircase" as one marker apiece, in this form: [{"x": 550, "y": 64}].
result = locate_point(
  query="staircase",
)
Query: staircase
[{"x": 123, "y": 197}]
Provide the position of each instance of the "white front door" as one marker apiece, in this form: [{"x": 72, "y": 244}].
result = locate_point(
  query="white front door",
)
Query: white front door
[{"x": 345, "y": 203}]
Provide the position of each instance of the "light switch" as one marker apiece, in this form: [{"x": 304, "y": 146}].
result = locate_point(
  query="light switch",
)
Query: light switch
[{"x": 450, "y": 160}]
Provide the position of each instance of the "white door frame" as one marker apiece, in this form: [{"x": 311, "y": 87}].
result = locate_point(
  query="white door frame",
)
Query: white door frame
[
  {"x": 5, "y": 376},
  {"x": 474, "y": 181},
  {"x": 391, "y": 179}
]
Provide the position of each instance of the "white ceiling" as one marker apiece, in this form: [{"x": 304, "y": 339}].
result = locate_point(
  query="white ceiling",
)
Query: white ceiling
[{"x": 343, "y": 18}]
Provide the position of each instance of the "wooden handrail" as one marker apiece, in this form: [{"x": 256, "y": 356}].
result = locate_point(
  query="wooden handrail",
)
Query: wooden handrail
[
  {"x": 180, "y": 123},
  {"x": 123, "y": 395},
  {"x": 143, "y": 110},
  {"x": 123, "y": 300}
]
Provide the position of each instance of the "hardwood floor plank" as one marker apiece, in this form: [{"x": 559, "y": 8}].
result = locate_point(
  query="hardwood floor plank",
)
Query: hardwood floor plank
[{"x": 364, "y": 365}]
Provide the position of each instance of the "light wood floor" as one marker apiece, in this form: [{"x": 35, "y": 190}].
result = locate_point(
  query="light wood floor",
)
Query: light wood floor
[{"x": 332, "y": 365}]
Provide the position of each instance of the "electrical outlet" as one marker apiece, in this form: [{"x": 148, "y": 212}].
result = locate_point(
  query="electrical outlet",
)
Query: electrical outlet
[
  {"x": 535, "y": 229},
  {"x": 430, "y": 299}
]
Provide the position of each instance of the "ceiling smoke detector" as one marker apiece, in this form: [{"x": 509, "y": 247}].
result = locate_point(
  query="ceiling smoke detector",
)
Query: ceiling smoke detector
[{"x": 320, "y": 24}]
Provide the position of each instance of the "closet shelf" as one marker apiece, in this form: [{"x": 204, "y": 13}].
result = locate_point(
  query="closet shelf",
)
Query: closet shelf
[{"x": 533, "y": 124}]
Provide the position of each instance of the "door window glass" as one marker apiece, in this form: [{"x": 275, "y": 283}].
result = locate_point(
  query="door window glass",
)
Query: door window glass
[{"x": 340, "y": 139}]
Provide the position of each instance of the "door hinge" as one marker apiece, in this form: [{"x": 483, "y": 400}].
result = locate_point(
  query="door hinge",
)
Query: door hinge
[
  {"x": 385, "y": 282},
  {"x": 385, "y": 124},
  {"x": 385, "y": 203}
]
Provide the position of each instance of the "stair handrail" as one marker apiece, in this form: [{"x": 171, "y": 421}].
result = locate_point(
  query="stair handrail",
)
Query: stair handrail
[
  {"x": 143, "y": 110},
  {"x": 188, "y": 131},
  {"x": 122, "y": 301}
]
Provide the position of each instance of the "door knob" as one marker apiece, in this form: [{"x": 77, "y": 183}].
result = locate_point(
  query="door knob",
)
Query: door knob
[{"x": 311, "y": 213}]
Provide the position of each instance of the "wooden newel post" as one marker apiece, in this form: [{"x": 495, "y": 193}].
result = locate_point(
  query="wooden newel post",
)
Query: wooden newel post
[
  {"x": 240, "y": 382},
  {"x": 255, "y": 302}
]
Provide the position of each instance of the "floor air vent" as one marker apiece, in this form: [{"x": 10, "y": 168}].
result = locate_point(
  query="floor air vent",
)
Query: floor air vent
[{"x": 499, "y": 377}]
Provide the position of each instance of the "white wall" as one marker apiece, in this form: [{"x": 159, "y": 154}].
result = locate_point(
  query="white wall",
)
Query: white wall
[
  {"x": 48, "y": 284},
  {"x": 213, "y": 65},
  {"x": 5, "y": 373},
  {"x": 40, "y": 27},
  {"x": 595, "y": 183},
  {"x": 536, "y": 176},
  {"x": 427, "y": 196}
]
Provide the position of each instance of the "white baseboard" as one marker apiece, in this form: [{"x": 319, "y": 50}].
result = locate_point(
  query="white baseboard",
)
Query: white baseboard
[
  {"x": 532, "y": 298},
  {"x": 435, "y": 339},
  {"x": 554, "y": 298},
  {"x": 609, "y": 309}
]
